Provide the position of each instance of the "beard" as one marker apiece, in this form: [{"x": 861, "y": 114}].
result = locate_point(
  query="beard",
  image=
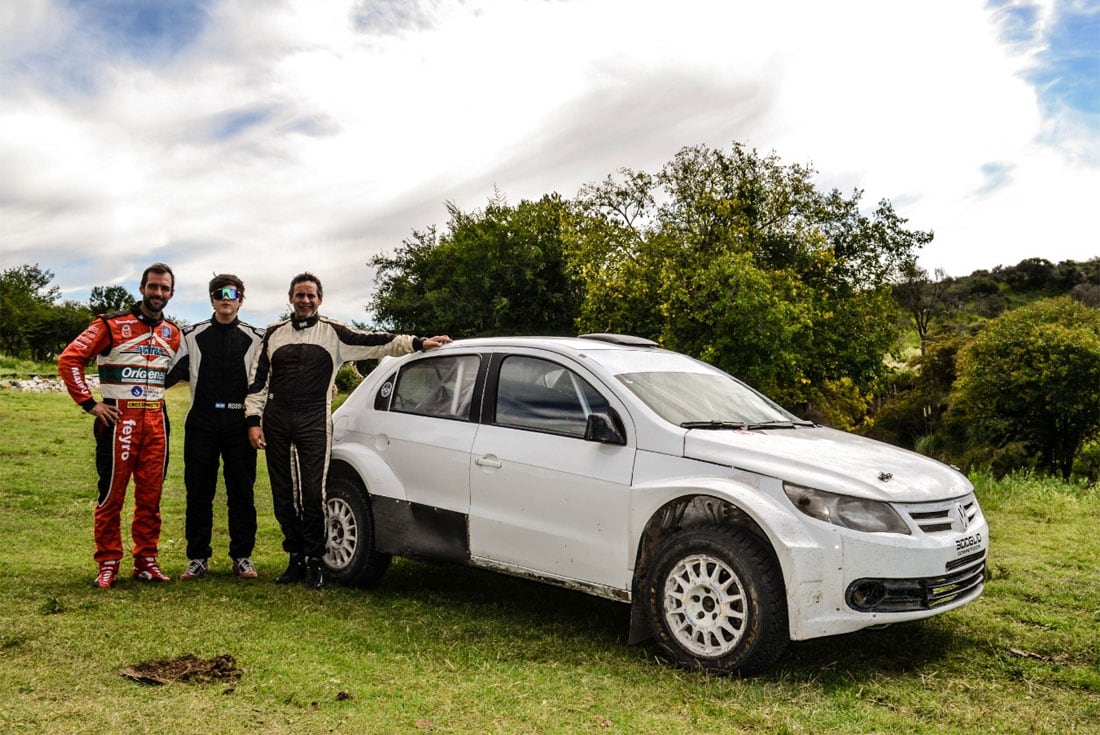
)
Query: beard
[{"x": 154, "y": 304}]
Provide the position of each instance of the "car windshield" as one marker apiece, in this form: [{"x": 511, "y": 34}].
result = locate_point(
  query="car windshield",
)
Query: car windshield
[{"x": 684, "y": 391}]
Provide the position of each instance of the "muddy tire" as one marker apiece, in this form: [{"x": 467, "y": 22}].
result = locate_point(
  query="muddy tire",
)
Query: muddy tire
[
  {"x": 715, "y": 601},
  {"x": 351, "y": 557}
]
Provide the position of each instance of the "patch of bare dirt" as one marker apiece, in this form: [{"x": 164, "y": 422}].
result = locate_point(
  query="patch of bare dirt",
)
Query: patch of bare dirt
[{"x": 189, "y": 668}]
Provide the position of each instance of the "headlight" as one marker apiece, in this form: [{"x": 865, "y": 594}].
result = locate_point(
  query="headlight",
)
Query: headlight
[{"x": 858, "y": 514}]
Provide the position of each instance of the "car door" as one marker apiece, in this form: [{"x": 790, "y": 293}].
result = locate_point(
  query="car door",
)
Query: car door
[
  {"x": 542, "y": 498},
  {"x": 425, "y": 426}
]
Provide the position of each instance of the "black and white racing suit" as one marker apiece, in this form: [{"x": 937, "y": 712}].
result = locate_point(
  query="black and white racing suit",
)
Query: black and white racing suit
[
  {"x": 291, "y": 392},
  {"x": 216, "y": 358}
]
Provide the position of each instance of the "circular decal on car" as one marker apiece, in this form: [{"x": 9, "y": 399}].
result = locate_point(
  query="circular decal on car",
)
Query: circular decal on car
[{"x": 387, "y": 388}]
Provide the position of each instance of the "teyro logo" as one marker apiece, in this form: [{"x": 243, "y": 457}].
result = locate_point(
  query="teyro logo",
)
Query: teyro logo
[{"x": 125, "y": 436}]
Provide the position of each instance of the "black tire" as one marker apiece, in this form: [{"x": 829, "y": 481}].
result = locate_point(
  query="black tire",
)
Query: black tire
[
  {"x": 351, "y": 558},
  {"x": 715, "y": 601}
]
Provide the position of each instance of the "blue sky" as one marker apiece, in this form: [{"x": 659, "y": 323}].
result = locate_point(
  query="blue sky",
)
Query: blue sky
[{"x": 269, "y": 138}]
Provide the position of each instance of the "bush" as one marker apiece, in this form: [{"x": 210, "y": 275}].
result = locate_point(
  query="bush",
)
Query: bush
[
  {"x": 1032, "y": 377},
  {"x": 1087, "y": 466},
  {"x": 348, "y": 378}
]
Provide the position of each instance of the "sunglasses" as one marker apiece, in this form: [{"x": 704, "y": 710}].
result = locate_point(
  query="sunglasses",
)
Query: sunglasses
[{"x": 229, "y": 292}]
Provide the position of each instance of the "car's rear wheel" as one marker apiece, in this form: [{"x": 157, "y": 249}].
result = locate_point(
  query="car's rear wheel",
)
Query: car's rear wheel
[
  {"x": 715, "y": 601},
  {"x": 351, "y": 557}
]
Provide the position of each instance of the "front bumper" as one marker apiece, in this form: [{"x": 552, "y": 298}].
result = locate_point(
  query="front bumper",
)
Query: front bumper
[{"x": 849, "y": 581}]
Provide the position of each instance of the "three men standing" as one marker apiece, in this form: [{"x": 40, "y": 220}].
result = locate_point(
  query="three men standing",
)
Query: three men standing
[{"x": 240, "y": 377}]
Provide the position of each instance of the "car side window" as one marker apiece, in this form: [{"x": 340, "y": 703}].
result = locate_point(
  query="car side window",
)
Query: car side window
[
  {"x": 544, "y": 396},
  {"x": 437, "y": 386}
]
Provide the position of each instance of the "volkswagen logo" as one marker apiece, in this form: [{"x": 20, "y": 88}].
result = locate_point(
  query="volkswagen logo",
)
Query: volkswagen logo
[{"x": 960, "y": 514}]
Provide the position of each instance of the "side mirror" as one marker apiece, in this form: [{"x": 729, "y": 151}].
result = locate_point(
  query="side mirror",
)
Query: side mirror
[{"x": 600, "y": 427}]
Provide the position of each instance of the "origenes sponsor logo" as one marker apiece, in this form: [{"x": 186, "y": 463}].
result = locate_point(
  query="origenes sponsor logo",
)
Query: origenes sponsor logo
[
  {"x": 118, "y": 374},
  {"x": 130, "y": 373}
]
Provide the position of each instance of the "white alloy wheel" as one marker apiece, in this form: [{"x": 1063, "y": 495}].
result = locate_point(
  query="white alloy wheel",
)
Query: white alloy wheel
[
  {"x": 715, "y": 601},
  {"x": 349, "y": 525},
  {"x": 343, "y": 533},
  {"x": 704, "y": 605}
]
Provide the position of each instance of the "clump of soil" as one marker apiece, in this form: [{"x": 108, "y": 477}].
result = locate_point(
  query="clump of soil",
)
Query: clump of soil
[{"x": 189, "y": 668}]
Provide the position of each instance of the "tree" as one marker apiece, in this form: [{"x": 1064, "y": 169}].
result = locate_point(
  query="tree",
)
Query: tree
[
  {"x": 109, "y": 299},
  {"x": 1032, "y": 377},
  {"x": 740, "y": 260},
  {"x": 25, "y": 300},
  {"x": 912, "y": 415},
  {"x": 922, "y": 299},
  {"x": 32, "y": 324},
  {"x": 497, "y": 271},
  {"x": 63, "y": 322}
]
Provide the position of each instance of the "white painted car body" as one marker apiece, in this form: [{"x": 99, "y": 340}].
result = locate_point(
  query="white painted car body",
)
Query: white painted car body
[{"x": 536, "y": 502}]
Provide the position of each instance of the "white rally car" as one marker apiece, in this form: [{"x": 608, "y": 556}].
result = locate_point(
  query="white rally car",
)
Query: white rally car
[{"x": 606, "y": 464}]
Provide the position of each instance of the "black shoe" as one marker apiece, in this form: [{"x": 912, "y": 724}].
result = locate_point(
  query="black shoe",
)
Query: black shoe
[
  {"x": 295, "y": 570},
  {"x": 315, "y": 577}
]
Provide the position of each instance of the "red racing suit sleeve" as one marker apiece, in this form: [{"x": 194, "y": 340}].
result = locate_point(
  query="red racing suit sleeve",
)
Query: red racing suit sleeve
[{"x": 93, "y": 341}]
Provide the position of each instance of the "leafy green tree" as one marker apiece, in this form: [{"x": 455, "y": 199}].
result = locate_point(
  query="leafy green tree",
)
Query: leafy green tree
[
  {"x": 62, "y": 323},
  {"x": 109, "y": 299},
  {"x": 1087, "y": 293},
  {"x": 922, "y": 299},
  {"x": 31, "y": 323},
  {"x": 496, "y": 271},
  {"x": 911, "y": 416},
  {"x": 740, "y": 260},
  {"x": 25, "y": 300},
  {"x": 1031, "y": 378}
]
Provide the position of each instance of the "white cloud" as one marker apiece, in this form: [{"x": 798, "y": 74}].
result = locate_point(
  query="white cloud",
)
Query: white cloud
[{"x": 308, "y": 136}]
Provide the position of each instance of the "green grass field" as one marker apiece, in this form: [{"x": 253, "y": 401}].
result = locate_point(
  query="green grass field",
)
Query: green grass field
[{"x": 443, "y": 649}]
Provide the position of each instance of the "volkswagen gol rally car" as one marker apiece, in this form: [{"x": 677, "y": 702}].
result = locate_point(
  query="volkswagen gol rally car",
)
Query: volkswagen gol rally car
[{"x": 606, "y": 464}]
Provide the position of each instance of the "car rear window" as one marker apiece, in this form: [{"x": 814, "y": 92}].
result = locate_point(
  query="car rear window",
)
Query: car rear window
[{"x": 437, "y": 386}]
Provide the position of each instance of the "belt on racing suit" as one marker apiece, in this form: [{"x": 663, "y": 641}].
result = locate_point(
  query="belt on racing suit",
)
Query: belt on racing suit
[{"x": 134, "y": 404}]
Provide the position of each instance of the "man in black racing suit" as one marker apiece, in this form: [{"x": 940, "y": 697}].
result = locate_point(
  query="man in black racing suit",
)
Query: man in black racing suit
[
  {"x": 216, "y": 357},
  {"x": 290, "y": 393}
]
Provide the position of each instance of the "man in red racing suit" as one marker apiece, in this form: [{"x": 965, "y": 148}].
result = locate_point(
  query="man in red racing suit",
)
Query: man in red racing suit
[{"x": 133, "y": 349}]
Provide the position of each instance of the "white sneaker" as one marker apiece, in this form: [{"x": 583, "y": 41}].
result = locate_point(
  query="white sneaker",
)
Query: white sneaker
[
  {"x": 196, "y": 568},
  {"x": 244, "y": 568}
]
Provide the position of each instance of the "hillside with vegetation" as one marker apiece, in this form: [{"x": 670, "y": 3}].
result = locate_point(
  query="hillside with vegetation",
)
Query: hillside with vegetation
[{"x": 1005, "y": 374}]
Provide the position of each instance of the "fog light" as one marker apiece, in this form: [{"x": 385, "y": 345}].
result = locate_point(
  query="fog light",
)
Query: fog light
[{"x": 865, "y": 595}]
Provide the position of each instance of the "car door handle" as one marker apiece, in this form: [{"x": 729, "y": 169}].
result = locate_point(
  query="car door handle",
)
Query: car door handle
[{"x": 488, "y": 460}]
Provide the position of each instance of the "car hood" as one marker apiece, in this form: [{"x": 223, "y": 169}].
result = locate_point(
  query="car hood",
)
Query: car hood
[{"x": 831, "y": 460}]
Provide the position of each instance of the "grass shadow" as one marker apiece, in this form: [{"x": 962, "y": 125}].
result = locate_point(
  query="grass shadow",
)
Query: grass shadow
[{"x": 529, "y": 609}]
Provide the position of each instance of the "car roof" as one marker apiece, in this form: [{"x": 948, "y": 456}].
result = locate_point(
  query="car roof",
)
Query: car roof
[{"x": 583, "y": 343}]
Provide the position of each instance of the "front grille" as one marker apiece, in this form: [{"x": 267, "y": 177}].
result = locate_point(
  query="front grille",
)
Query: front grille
[
  {"x": 964, "y": 578},
  {"x": 943, "y": 517}
]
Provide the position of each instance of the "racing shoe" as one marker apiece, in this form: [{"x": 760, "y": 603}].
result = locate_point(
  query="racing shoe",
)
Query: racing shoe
[
  {"x": 244, "y": 569},
  {"x": 295, "y": 570},
  {"x": 315, "y": 577},
  {"x": 146, "y": 569},
  {"x": 196, "y": 568},
  {"x": 108, "y": 575}
]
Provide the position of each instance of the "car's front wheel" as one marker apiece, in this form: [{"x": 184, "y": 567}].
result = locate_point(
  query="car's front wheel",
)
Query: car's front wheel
[
  {"x": 351, "y": 557},
  {"x": 715, "y": 601}
]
